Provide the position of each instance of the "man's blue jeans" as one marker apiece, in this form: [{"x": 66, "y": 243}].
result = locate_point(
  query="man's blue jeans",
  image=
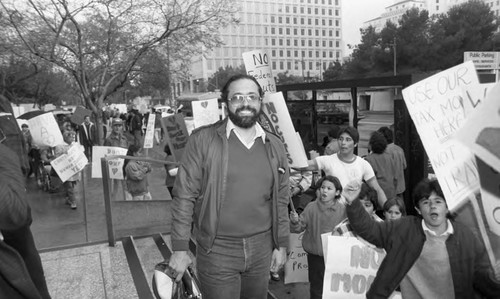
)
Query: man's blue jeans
[{"x": 236, "y": 267}]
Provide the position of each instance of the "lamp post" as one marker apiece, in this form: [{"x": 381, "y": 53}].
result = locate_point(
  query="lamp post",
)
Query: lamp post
[{"x": 393, "y": 45}]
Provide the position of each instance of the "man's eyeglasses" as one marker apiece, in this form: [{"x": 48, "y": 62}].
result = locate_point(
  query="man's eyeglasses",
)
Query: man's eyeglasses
[{"x": 241, "y": 98}]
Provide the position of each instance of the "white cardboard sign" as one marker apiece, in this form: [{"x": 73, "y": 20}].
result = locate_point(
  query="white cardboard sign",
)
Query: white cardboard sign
[
  {"x": 150, "y": 131},
  {"x": 258, "y": 65},
  {"x": 45, "y": 130},
  {"x": 436, "y": 105},
  {"x": 67, "y": 165},
  {"x": 296, "y": 265},
  {"x": 115, "y": 165},
  {"x": 205, "y": 112}
]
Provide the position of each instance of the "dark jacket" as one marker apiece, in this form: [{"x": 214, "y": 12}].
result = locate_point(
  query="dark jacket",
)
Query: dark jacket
[
  {"x": 21, "y": 272},
  {"x": 200, "y": 187},
  {"x": 136, "y": 173},
  {"x": 87, "y": 137},
  {"x": 403, "y": 241}
]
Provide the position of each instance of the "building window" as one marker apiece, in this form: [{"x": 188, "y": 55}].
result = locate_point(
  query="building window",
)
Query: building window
[
  {"x": 337, "y": 23},
  {"x": 324, "y": 54},
  {"x": 323, "y": 32},
  {"x": 289, "y": 65},
  {"x": 337, "y": 12},
  {"x": 273, "y": 42},
  {"x": 303, "y": 43},
  {"x": 272, "y": 19},
  {"x": 301, "y": 10},
  {"x": 316, "y": 22},
  {"x": 337, "y": 54},
  {"x": 280, "y": 20},
  {"x": 309, "y": 21},
  {"x": 295, "y": 31},
  {"x": 281, "y": 42},
  {"x": 281, "y": 53},
  {"x": 288, "y": 42},
  {"x": 295, "y": 20},
  {"x": 317, "y": 32},
  {"x": 295, "y": 53},
  {"x": 308, "y": 10},
  {"x": 337, "y": 44},
  {"x": 310, "y": 53},
  {"x": 310, "y": 43},
  {"x": 302, "y": 31},
  {"x": 295, "y": 43},
  {"x": 280, "y": 31},
  {"x": 323, "y": 22},
  {"x": 273, "y": 31},
  {"x": 310, "y": 65},
  {"x": 287, "y": 20},
  {"x": 287, "y": 9},
  {"x": 317, "y": 43},
  {"x": 288, "y": 53},
  {"x": 273, "y": 53},
  {"x": 331, "y": 44},
  {"x": 281, "y": 65},
  {"x": 330, "y": 23},
  {"x": 288, "y": 31},
  {"x": 330, "y": 12},
  {"x": 294, "y": 9},
  {"x": 337, "y": 33},
  {"x": 324, "y": 43},
  {"x": 309, "y": 32},
  {"x": 331, "y": 54},
  {"x": 330, "y": 32},
  {"x": 317, "y": 54},
  {"x": 303, "y": 53},
  {"x": 323, "y": 11},
  {"x": 274, "y": 65}
]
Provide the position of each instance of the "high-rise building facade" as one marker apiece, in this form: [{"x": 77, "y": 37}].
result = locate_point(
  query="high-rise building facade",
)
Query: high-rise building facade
[{"x": 300, "y": 36}]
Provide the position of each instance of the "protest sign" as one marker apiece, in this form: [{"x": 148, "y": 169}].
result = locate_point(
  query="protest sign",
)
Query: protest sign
[
  {"x": 177, "y": 134},
  {"x": 296, "y": 265},
  {"x": 351, "y": 268},
  {"x": 67, "y": 165},
  {"x": 205, "y": 112},
  {"x": 45, "y": 130},
  {"x": 436, "y": 105},
  {"x": 258, "y": 65},
  {"x": 79, "y": 115},
  {"x": 481, "y": 132},
  {"x": 150, "y": 131},
  {"x": 276, "y": 119},
  {"x": 115, "y": 165}
]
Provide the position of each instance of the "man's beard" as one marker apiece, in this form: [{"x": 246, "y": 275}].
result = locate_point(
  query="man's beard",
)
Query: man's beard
[{"x": 244, "y": 121}]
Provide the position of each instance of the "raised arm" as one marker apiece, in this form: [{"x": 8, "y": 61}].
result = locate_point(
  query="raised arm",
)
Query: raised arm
[
  {"x": 312, "y": 165},
  {"x": 380, "y": 193}
]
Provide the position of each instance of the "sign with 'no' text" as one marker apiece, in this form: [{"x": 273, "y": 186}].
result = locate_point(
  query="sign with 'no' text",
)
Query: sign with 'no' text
[{"x": 258, "y": 65}]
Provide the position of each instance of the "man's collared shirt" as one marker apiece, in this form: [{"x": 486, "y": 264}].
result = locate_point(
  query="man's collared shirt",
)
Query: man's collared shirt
[
  {"x": 449, "y": 230},
  {"x": 259, "y": 132}
]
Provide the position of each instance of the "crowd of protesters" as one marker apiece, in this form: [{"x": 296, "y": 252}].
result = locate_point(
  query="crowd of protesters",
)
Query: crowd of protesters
[{"x": 232, "y": 191}]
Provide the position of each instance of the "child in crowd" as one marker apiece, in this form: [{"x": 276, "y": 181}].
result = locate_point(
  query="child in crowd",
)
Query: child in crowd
[
  {"x": 136, "y": 175},
  {"x": 429, "y": 256},
  {"x": 394, "y": 208},
  {"x": 318, "y": 217},
  {"x": 69, "y": 138},
  {"x": 368, "y": 198}
]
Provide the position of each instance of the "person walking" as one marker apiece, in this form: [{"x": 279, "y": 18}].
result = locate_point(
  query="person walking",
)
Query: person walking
[
  {"x": 88, "y": 136},
  {"x": 233, "y": 181}
]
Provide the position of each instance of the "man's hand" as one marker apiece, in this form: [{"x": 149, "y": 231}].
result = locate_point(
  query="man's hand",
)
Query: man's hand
[
  {"x": 278, "y": 260},
  {"x": 351, "y": 191},
  {"x": 179, "y": 261},
  {"x": 294, "y": 217}
]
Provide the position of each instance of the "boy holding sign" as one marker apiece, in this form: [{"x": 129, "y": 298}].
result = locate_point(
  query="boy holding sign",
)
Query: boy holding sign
[{"x": 431, "y": 257}]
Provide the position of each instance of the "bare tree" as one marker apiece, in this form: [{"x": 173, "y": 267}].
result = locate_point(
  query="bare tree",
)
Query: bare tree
[{"x": 99, "y": 42}]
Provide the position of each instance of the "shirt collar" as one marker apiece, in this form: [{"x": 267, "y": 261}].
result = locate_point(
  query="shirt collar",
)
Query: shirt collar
[
  {"x": 449, "y": 230},
  {"x": 259, "y": 132}
]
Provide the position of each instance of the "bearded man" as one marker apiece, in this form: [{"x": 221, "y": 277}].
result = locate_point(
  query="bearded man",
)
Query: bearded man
[{"x": 233, "y": 184}]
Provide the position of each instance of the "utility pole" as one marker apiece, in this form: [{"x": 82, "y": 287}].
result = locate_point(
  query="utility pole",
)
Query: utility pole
[{"x": 394, "y": 58}]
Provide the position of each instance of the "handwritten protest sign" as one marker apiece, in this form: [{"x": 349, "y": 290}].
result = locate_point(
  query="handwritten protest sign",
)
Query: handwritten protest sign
[
  {"x": 115, "y": 165},
  {"x": 351, "y": 268},
  {"x": 257, "y": 64},
  {"x": 296, "y": 265},
  {"x": 436, "y": 105},
  {"x": 205, "y": 112},
  {"x": 150, "y": 131},
  {"x": 67, "y": 165},
  {"x": 45, "y": 131},
  {"x": 177, "y": 134},
  {"x": 481, "y": 132},
  {"x": 276, "y": 119}
]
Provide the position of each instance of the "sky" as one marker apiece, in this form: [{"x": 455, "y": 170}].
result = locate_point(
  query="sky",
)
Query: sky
[{"x": 355, "y": 13}]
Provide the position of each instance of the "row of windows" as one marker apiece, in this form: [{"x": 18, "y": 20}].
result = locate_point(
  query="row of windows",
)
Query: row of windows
[
  {"x": 308, "y": 65},
  {"x": 294, "y": 20},
  {"x": 304, "y": 43},
  {"x": 257, "y": 41},
  {"x": 310, "y": 54},
  {"x": 309, "y": 21},
  {"x": 272, "y": 6},
  {"x": 303, "y": 32}
]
